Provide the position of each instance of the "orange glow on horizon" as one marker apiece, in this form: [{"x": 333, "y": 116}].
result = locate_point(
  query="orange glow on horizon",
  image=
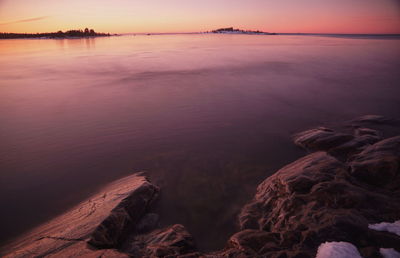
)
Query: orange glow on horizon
[{"x": 125, "y": 16}]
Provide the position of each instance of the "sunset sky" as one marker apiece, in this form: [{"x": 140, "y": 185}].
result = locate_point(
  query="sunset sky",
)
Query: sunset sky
[{"x": 124, "y": 16}]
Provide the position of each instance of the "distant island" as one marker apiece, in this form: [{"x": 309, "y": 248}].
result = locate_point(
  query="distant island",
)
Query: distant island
[
  {"x": 60, "y": 34},
  {"x": 231, "y": 30}
]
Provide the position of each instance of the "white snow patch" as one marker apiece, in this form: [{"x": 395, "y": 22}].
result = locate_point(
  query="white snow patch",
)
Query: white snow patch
[
  {"x": 389, "y": 253},
  {"x": 337, "y": 250},
  {"x": 386, "y": 226}
]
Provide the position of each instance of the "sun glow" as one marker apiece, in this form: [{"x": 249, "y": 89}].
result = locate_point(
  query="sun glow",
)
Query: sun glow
[{"x": 124, "y": 16}]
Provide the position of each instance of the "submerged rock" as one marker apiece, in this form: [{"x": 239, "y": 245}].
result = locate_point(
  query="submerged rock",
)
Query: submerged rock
[
  {"x": 373, "y": 119},
  {"x": 379, "y": 164},
  {"x": 171, "y": 241},
  {"x": 321, "y": 138},
  {"x": 354, "y": 146},
  {"x": 361, "y": 131}
]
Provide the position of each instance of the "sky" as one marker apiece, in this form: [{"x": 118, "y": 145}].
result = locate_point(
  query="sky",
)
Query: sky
[{"x": 130, "y": 16}]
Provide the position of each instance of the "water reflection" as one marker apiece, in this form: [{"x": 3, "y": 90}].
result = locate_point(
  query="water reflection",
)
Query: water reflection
[
  {"x": 60, "y": 43},
  {"x": 90, "y": 43}
]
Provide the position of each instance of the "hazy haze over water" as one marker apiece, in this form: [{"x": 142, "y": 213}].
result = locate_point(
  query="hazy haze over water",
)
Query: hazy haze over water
[{"x": 207, "y": 116}]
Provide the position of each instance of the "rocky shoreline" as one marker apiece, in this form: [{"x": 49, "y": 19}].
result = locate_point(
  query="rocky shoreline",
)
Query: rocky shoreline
[
  {"x": 341, "y": 200},
  {"x": 231, "y": 30},
  {"x": 70, "y": 34}
]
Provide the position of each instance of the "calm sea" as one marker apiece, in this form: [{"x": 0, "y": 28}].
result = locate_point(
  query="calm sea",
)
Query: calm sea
[{"x": 208, "y": 117}]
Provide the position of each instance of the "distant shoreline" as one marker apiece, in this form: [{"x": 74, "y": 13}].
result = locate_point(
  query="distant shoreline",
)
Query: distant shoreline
[
  {"x": 71, "y": 34},
  {"x": 231, "y": 30},
  {"x": 56, "y": 35}
]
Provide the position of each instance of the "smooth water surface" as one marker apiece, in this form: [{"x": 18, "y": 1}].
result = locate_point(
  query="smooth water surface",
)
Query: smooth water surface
[{"x": 208, "y": 117}]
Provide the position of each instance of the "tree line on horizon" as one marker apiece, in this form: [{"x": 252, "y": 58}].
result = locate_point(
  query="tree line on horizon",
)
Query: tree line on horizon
[{"x": 59, "y": 34}]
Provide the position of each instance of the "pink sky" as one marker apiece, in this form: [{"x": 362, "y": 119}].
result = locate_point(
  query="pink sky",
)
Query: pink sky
[{"x": 124, "y": 16}]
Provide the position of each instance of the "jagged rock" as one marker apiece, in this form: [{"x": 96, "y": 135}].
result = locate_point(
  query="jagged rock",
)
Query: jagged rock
[
  {"x": 258, "y": 243},
  {"x": 297, "y": 177},
  {"x": 252, "y": 241},
  {"x": 339, "y": 145},
  {"x": 123, "y": 218},
  {"x": 379, "y": 164},
  {"x": 118, "y": 205},
  {"x": 171, "y": 241},
  {"x": 321, "y": 138},
  {"x": 310, "y": 201}
]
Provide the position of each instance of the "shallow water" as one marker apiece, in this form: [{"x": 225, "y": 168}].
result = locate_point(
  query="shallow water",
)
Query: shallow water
[{"x": 208, "y": 117}]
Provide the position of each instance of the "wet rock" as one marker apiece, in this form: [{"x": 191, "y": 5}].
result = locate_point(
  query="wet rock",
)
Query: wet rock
[
  {"x": 321, "y": 138},
  {"x": 253, "y": 242},
  {"x": 258, "y": 243},
  {"x": 338, "y": 144},
  {"x": 379, "y": 164},
  {"x": 310, "y": 201},
  {"x": 361, "y": 131},
  {"x": 101, "y": 218},
  {"x": 373, "y": 119},
  {"x": 171, "y": 241},
  {"x": 354, "y": 146},
  {"x": 298, "y": 177}
]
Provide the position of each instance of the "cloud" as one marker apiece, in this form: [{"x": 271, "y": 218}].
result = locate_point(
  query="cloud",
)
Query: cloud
[{"x": 26, "y": 20}]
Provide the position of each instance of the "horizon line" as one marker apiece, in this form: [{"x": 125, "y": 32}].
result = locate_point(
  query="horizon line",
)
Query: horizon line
[{"x": 211, "y": 32}]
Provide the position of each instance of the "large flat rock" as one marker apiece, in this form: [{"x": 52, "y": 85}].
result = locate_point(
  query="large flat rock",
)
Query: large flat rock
[{"x": 104, "y": 219}]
